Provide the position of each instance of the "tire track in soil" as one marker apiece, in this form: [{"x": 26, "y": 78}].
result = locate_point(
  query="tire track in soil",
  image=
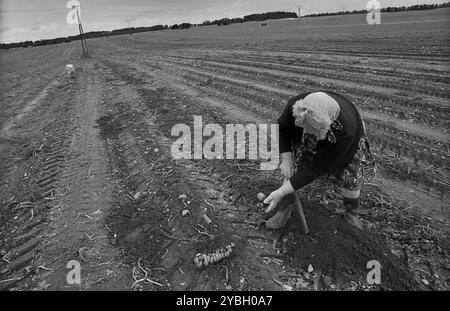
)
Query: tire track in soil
[
  {"x": 80, "y": 201},
  {"x": 41, "y": 165},
  {"x": 28, "y": 73},
  {"x": 5, "y": 132},
  {"x": 258, "y": 244}
]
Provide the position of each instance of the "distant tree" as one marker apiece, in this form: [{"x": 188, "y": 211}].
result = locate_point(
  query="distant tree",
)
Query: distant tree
[
  {"x": 387, "y": 9},
  {"x": 269, "y": 15},
  {"x": 155, "y": 28},
  {"x": 184, "y": 26}
]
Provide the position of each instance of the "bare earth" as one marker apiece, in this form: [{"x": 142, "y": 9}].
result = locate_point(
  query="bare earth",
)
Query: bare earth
[{"x": 86, "y": 171}]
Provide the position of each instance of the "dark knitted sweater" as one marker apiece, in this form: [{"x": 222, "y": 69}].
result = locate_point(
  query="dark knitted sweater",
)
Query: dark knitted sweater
[{"x": 329, "y": 157}]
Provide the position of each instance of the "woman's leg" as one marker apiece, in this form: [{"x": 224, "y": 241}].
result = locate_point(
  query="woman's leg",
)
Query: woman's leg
[
  {"x": 351, "y": 181},
  {"x": 361, "y": 168},
  {"x": 350, "y": 200}
]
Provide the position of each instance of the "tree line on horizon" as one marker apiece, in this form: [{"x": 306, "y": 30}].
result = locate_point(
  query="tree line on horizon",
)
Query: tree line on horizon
[
  {"x": 220, "y": 22},
  {"x": 418, "y": 7}
]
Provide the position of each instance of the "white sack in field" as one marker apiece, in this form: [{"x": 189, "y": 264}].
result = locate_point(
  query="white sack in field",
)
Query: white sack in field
[{"x": 70, "y": 68}]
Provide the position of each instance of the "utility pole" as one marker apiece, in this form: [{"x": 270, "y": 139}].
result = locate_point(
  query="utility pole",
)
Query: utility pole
[
  {"x": 80, "y": 28},
  {"x": 299, "y": 13}
]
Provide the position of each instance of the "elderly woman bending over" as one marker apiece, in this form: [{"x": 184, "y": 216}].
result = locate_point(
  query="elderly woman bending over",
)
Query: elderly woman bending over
[{"x": 323, "y": 134}]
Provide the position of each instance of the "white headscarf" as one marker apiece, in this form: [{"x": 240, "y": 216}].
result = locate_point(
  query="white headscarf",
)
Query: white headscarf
[{"x": 315, "y": 113}]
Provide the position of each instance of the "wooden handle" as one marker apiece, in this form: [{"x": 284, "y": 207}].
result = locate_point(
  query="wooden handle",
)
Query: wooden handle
[{"x": 298, "y": 205}]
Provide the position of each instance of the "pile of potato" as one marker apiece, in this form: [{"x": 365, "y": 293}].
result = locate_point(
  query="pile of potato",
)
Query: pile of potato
[{"x": 207, "y": 259}]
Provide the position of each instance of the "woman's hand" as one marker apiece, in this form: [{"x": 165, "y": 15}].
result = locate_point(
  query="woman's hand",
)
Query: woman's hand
[
  {"x": 273, "y": 199},
  {"x": 287, "y": 165},
  {"x": 277, "y": 195}
]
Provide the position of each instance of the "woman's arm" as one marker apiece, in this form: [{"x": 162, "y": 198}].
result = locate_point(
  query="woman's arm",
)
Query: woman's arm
[
  {"x": 287, "y": 135},
  {"x": 327, "y": 157}
]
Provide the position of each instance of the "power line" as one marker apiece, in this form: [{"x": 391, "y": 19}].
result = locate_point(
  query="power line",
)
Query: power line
[
  {"x": 31, "y": 10},
  {"x": 84, "y": 45},
  {"x": 52, "y": 10}
]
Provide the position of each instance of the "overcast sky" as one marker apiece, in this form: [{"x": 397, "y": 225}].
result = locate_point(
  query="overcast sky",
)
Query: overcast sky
[{"x": 35, "y": 19}]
